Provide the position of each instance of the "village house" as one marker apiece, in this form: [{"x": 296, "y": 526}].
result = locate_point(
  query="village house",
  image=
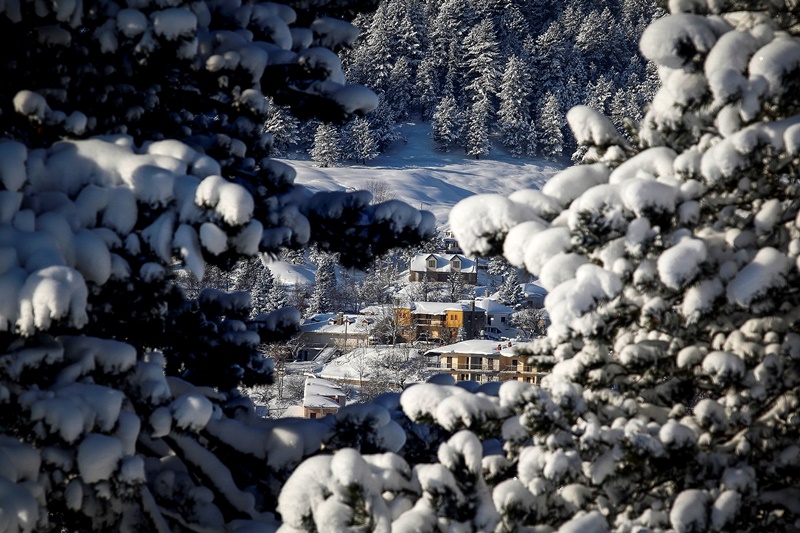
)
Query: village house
[
  {"x": 450, "y": 244},
  {"x": 498, "y": 319},
  {"x": 443, "y": 322},
  {"x": 534, "y": 294},
  {"x": 482, "y": 361},
  {"x": 322, "y": 397},
  {"x": 438, "y": 267},
  {"x": 332, "y": 331}
]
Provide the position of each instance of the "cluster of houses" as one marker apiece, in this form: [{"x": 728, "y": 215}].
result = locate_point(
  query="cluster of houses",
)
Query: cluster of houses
[
  {"x": 432, "y": 322},
  {"x": 471, "y": 340},
  {"x": 476, "y": 360}
]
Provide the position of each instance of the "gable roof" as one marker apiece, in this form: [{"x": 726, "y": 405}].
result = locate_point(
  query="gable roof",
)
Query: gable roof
[
  {"x": 439, "y": 308},
  {"x": 321, "y": 393},
  {"x": 326, "y": 323},
  {"x": 534, "y": 288},
  {"x": 476, "y": 347},
  {"x": 493, "y": 307},
  {"x": 419, "y": 263}
]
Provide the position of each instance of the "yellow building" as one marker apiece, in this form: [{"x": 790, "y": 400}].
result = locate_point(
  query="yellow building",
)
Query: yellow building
[{"x": 441, "y": 321}]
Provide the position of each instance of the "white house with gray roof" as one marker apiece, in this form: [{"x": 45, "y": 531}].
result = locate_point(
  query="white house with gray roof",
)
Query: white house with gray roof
[{"x": 438, "y": 267}]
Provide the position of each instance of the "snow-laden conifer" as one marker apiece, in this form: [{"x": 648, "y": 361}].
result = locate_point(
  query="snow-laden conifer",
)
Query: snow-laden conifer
[
  {"x": 360, "y": 143},
  {"x": 327, "y": 147},
  {"x": 668, "y": 392},
  {"x": 478, "y": 142},
  {"x": 133, "y": 151},
  {"x": 549, "y": 124},
  {"x": 446, "y": 124},
  {"x": 514, "y": 120},
  {"x": 324, "y": 286}
]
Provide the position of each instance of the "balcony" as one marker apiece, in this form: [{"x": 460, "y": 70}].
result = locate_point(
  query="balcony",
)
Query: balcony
[
  {"x": 430, "y": 322},
  {"x": 464, "y": 366},
  {"x": 519, "y": 369}
]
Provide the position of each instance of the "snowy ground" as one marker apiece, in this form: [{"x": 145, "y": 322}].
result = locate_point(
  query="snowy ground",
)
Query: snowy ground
[{"x": 416, "y": 173}]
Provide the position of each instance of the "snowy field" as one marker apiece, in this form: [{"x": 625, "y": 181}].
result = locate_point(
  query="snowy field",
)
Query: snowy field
[{"x": 416, "y": 173}]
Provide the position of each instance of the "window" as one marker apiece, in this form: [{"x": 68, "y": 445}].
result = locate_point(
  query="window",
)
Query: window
[
  {"x": 455, "y": 264},
  {"x": 502, "y": 319},
  {"x": 432, "y": 263},
  {"x": 312, "y": 415}
]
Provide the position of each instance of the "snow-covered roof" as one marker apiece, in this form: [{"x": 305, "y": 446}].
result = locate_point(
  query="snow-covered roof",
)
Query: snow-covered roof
[
  {"x": 439, "y": 308},
  {"x": 475, "y": 347},
  {"x": 533, "y": 288},
  {"x": 377, "y": 310},
  {"x": 359, "y": 363},
  {"x": 327, "y": 323},
  {"x": 419, "y": 263},
  {"x": 493, "y": 307},
  {"x": 321, "y": 393}
]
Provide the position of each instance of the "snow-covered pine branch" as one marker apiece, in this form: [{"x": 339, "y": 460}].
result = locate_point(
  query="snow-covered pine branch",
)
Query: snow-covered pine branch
[
  {"x": 672, "y": 399},
  {"x": 133, "y": 144}
]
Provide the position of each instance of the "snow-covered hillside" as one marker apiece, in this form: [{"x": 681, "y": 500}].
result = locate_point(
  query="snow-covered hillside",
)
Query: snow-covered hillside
[{"x": 416, "y": 173}]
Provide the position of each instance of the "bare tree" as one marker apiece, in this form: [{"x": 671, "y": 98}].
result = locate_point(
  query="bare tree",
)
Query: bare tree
[
  {"x": 380, "y": 190},
  {"x": 531, "y": 321}
]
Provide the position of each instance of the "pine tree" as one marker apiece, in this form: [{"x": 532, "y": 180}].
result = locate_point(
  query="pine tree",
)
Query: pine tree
[
  {"x": 551, "y": 58},
  {"x": 512, "y": 29},
  {"x": 667, "y": 395},
  {"x": 379, "y": 51},
  {"x": 596, "y": 40},
  {"x": 599, "y": 94},
  {"x": 360, "y": 141},
  {"x": 681, "y": 338},
  {"x": 382, "y": 123},
  {"x": 326, "y": 149},
  {"x": 133, "y": 151},
  {"x": 408, "y": 30},
  {"x": 398, "y": 92},
  {"x": 283, "y": 127},
  {"x": 550, "y": 121},
  {"x": 293, "y": 256},
  {"x": 513, "y": 116},
  {"x": 510, "y": 292},
  {"x": 268, "y": 296},
  {"x": 324, "y": 286},
  {"x": 427, "y": 87},
  {"x": 477, "y": 136},
  {"x": 481, "y": 54},
  {"x": 446, "y": 124}
]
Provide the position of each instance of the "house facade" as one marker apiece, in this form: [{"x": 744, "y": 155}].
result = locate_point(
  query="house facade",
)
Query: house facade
[
  {"x": 442, "y": 322},
  {"x": 438, "y": 267},
  {"x": 498, "y": 319},
  {"x": 450, "y": 243},
  {"x": 483, "y": 361},
  {"x": 332, "y": 330}
]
